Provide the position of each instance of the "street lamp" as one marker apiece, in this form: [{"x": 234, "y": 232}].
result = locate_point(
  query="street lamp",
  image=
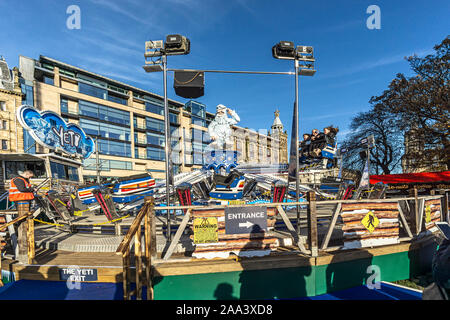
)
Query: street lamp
[
  {"x": 175, "y": 45},
  {"x": 303, "y": 57}
]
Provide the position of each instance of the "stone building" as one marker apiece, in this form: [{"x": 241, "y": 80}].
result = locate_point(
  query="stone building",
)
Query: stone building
[{"x": 11, "y": 133}]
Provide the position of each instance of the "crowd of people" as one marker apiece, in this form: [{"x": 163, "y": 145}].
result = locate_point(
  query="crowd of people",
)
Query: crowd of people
[{"x": 312, "y": 144}]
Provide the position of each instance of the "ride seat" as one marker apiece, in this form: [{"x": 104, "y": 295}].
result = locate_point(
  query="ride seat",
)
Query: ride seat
[{"x": 226, "y": 180}]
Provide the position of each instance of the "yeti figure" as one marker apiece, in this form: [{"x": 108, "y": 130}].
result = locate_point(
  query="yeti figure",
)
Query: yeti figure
[{"x": 220, "y": 128}]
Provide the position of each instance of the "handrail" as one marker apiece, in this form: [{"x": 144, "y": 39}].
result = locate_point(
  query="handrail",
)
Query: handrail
[
  {"x": 275, "y": 204},
  {"x": 18, "y": 219},
  {"x": 147, "y": 212},
  {"x": 123, "y": 246}
]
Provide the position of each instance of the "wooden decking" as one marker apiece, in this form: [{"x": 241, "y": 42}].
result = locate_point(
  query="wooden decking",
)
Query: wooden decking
[{"x": 47, "y": 264}]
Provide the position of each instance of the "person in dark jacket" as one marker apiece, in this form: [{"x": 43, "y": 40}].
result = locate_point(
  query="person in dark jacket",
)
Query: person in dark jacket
[
  {"x": 317, "y": 141},
  {"x": 330, "y": 135},
  {"x": 304, "y": 145}
]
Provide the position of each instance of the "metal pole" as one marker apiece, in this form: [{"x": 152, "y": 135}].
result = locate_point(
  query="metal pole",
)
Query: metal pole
[
  {"x": 97, "y": 160},
  {"x": 167, "y": 141},
  {"x": 296, "y": 148},
  {"x": 231, "y": 71},
  {"x": 368, "y": 162}
]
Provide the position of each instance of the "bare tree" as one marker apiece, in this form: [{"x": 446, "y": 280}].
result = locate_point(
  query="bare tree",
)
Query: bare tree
[
  {"x": 387, "y": 151},
  {"x": 422, "y": 104}
]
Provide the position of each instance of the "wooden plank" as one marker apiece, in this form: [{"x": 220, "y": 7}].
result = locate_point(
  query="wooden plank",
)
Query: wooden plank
[
  {"x": 421, "y": 213},
  {"x": 137, "y": 256},
  {"x": 291, "y": 229},
  {"x": 23, "y": 209},
  {"x": 312, "y": 224},
  {"x": 403, "y": 219},
  {"x": 124, "y": 245},
  {"x": 125, "y": 273},
  {"x": 178, "y": 234},
  {"x": 13, "y": 237},
  {"x": 331, "y": 227},
  {"x": 16, "y": 220},
  {"x": 416, "y": 210},
  {"x": 30, "y": 240},
  {"x": 444, "y": 208}
]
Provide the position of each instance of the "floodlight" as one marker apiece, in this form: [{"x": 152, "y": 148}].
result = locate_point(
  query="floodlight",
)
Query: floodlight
[
  {"x": 306, "y": 72},
  {"x": 153, "y": 48},
  {"x": 177, "y": 44},
  {"x": 305, "y": 53},
  {"x": 284, "y": 50},
  {"x": 151, "y": 66}
]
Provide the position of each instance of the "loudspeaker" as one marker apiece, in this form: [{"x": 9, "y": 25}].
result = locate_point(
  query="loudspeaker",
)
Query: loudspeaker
[{"x": 189, "y": 84}]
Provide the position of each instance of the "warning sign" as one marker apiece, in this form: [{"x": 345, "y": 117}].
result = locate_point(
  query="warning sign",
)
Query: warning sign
[
  {"x": 370, "y": 221},
  {"x": 206, "y": 230},
  {"x": 428, "y": 214}
]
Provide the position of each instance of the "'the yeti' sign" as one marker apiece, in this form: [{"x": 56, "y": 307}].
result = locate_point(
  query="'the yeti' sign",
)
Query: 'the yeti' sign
[{"x": 51, "y": 131}]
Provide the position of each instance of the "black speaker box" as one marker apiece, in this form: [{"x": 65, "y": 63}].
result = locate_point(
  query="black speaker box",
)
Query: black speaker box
[{"x": 189, "y": 84}]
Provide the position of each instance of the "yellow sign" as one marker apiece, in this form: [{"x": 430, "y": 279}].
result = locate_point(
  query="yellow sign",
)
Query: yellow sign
[
  {"x": 235, "y": 202},
  {"x": 370, "y": 221},
  {"x": 428, "y": 214},
  {"x": 206, "y": 230}
]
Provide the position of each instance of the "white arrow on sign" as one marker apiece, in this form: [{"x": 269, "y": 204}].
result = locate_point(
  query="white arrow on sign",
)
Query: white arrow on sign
[{"x": 247, "y": 224}]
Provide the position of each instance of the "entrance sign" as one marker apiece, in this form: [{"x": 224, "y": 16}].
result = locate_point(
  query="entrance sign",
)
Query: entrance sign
[
  {"x": 206, "y": 230},
  {"x": 245, "y": 220},
  {"x": 51, "y": 131}
]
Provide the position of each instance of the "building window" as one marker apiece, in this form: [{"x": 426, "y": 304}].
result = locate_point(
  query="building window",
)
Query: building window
[
  {"x": 92, "y": 90},
  {"x": 28, "y": 92},
  {"x": 156, "y": 139},
  {"x": 63, "y": 171},
  {"x": 12, "y": 168},
  {"x": 117, "y": 99},
  {"x": 29, "y": 145},
  {"x": 154, "y": 108},
  {"x": 64, "y": 105},
  {"x": 173, "y": 118},
  {"x": 155, "y": 154},
  {"x": 4, "y": 144},
  {"x": 105, "y": 113},
  {"x": 4, "y": 125},
  {"x": 155, "y": 124},
  {"x": 114, "y": 148},
  {"x": 48, "y": 80},
  {"x": 121, "y": 165},
  {"x": 198, "y": 121},
  {"x": 3, "y": 105}
]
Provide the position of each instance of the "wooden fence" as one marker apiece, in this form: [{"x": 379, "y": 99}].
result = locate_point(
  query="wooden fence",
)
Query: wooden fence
[{"x": 143, "y": 260}]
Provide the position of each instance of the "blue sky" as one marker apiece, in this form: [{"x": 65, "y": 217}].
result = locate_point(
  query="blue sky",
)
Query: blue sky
[{"x": 353, "y": 63}]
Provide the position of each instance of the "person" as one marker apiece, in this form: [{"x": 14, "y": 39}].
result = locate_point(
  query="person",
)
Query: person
[
  {"x": 304, "y": 145},
  {"x": 330, "y": 133},
  {"x": 20, "y": 189},
  {"x": 317, "y": 139}
]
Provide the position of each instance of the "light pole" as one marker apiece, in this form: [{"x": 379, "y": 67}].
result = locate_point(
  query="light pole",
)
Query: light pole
[
  {"x": 300, "y": 54},
  {"x": 174, "y": 45},
  {"x": 297, "y": 164}
]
